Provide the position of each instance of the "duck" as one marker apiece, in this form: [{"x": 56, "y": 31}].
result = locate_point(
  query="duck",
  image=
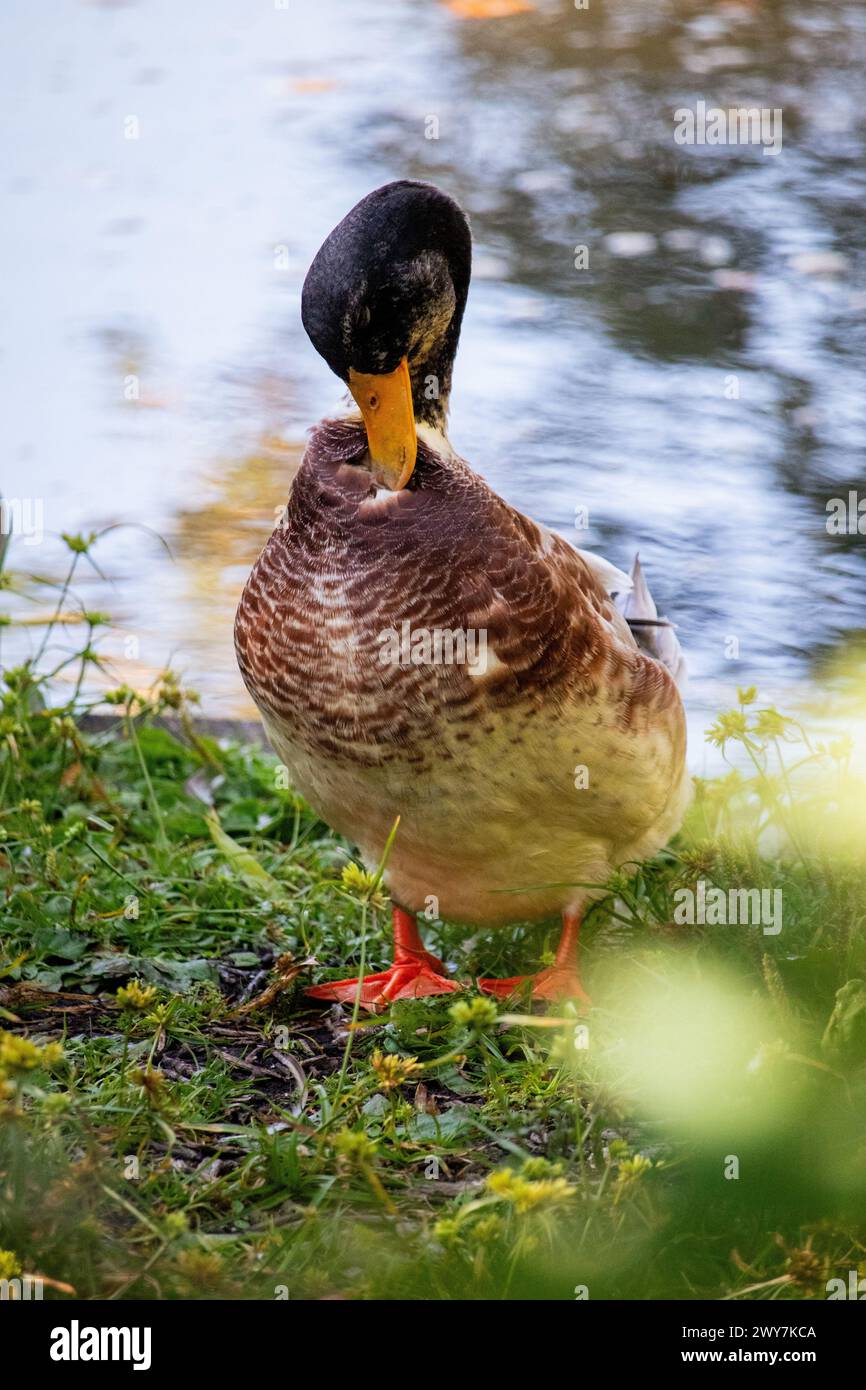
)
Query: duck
[{"x": 419, "y": 649}]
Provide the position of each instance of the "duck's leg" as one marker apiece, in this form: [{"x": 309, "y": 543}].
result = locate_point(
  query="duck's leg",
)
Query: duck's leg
[
  {"x": 415, "y": 972},
  {"x": 559, "y": 981}
]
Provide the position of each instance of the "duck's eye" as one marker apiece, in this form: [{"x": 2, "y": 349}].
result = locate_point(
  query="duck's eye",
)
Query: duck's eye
[{"x": 372, "y": 400}]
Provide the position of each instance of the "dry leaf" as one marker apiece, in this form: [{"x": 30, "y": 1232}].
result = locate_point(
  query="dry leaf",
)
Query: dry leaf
[
  {"x": 488, "y": 9},
  {"x": 47, "y": 619},
  {"x": 54, "y": 1284},
  {"x": 314, "y": 84},
  {"x": 287, "y": 971}
]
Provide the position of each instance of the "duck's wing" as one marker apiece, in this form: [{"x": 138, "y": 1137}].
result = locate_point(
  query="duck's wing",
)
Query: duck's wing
[
  {"x": 655, "y": 635},
  {"x": 632, "y": 598},
  {"x": 613, "y": 580}
]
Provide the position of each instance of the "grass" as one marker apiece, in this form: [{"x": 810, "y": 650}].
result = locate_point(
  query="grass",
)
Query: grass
[{"x": 179, "y": 1122}]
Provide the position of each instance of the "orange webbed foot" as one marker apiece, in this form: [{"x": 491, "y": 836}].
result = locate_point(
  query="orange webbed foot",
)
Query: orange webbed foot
[
  {"x": 560, "y": 981},
  {"x": 555, "y": 983},
  {"x": 412, "y": 980},
  {"x": 415, "y": 973}
]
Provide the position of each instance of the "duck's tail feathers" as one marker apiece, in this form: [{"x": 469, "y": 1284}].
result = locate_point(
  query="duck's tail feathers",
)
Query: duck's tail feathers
[{"x": 654, "y": 635}]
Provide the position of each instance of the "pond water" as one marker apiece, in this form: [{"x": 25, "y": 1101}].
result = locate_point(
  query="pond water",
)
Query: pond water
[{"x": 696, "y": 387}]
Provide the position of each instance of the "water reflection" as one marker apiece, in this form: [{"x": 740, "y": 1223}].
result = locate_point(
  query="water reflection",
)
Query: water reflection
[{"x": 696, "y": 386}]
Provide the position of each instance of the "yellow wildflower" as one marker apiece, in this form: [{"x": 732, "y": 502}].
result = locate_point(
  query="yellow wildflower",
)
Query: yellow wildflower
[
  {"x": 362, "y": 884},
  {"x": 392, "y": 1071},
  {"x": 447, "y": 1230},
  {"x": 535, "y": 1168},
  {"x": 20, "y": 1055},
  {"x": 354, "y": 1146},
  {"x": 151, "y": 1081},
  {"x": 489, "y": 1228},
  {"x": 477, "y": 1013},
  {"x": 10, "y": 1265},
  {"x": 525, "y": 1195},
  {"x": 136, "y": 997},
  {"x": 630, "y": 1171},
  {"x": 175, "y": 1224}
]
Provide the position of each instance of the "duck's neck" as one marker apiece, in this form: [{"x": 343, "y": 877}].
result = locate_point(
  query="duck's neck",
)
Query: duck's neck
[
  {"x": 430, "y": 374},
  {"x": 430, "y": 401},
  {"x": 431, "y": 393},
  {"x": 435, "y": 436}
]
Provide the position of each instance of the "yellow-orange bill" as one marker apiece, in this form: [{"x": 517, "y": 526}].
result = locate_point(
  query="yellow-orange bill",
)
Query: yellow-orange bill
[{"x": 385, "y": 402}]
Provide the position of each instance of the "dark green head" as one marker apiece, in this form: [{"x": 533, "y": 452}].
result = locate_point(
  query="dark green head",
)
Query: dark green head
[{"x": 383, "y": 303}]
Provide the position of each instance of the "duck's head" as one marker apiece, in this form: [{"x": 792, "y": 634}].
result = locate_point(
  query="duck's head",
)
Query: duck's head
[{"x": 383, "y": 302}]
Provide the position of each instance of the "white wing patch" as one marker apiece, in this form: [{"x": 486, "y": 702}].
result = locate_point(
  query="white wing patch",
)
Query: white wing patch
[
  {"x": 487, "y": 663},
  {"x": 613, "y": 580}
]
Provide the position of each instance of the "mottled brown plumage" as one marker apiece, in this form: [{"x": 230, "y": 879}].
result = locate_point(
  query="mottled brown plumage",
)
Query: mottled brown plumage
[{"x": 480, "y": 767}]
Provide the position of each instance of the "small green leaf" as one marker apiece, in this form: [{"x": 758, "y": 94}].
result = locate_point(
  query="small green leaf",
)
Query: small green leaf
[
  {"x": 845, "y": 1035},
  {"x": 242, "y": 861}
]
